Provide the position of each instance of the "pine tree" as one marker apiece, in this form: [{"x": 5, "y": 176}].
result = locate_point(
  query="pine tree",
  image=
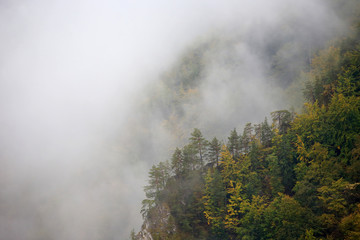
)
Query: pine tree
[
  {"x": 266, "y": 134},
  {"x": 177, "y": 163},
  {"x": 215, "y": 202},
  {"x": 214, "y": 151},
  {"x": 234, "y": 143},
  {"x": 246, "y": 138},
  {"x": 281, "y": 120},
  {"x": 200, "y": 144}
]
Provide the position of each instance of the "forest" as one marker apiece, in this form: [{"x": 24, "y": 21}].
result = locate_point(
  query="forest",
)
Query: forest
[
  {"x": 296, "y": 175},
  {"x": 179, "y": 120}
]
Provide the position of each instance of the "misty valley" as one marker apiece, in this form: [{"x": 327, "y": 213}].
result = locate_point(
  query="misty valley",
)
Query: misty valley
[
  {"x": 180, "y": 120},
  {"x": 295, "y": 175}
]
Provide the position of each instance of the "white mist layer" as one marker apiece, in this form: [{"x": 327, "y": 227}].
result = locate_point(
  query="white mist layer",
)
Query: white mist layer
[{"x": 70, "y": 72}]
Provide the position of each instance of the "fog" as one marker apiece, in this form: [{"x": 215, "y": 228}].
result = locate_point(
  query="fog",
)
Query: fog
[{"x": 72, "y": 74}]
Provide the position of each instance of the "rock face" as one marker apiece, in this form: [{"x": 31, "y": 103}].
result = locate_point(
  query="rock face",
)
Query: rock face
[
  {"x": 158, "y": 223},
  {"x": 144, "y": 233}
]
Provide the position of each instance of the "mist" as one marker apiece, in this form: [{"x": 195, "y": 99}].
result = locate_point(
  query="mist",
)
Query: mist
[{"x": 72, "y": 74}]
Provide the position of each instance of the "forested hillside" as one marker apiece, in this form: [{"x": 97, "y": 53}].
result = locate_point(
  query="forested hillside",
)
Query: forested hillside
[
  {"x": 295, "y": 175},
  {"x": 234, "y": 75}
]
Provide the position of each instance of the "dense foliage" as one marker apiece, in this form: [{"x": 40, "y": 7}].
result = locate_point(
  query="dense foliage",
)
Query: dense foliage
[{"x": 297, "y": 178}]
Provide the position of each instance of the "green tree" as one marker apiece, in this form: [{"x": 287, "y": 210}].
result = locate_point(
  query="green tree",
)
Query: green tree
[
  {"x": 281, "y": 120},
  {"x": 275, "y": 175},
  {"x": 286, "y": 160},
  {"x": 214, "y": 151},
  {"x": 190, "y": 158},
  {"x": 256, "y": 170},
  {"x": 246, "y": 138},
  {"x": 325, "y": 68},
  {"x": 286, "y": 219},
  {"x": 200, "y": 144},
  {"x": 252, "y": 220},
  {"x": 350, "y": 225},
  {"x": 234, "y": 143},
  {"x": 158, "y": 177},
  {"x": 266, "y": 134},
  {"x": 178, "y": 165},
  {"x": 215, "y": 202}
]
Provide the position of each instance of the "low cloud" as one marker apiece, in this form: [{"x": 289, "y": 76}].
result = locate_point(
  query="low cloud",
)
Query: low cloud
[{"x": 72, "y": 74}]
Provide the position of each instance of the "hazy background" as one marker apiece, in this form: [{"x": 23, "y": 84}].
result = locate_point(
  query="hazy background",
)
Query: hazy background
[{"x": 71, "y": 76}]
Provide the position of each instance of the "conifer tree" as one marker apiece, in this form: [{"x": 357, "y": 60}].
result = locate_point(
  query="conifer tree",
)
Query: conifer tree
[
  {"x": 246, "y": 138},
  {"x": 190, "y": 158},
  {"x": 215, "y": 201},
  {"x": 281, "y": 120},
  {"x": 234, "y": 143},
  {"x": 214, "y": 151},
  {"x": 177, "y": 163},
  {"x": 266, "y": 134},
  {"x": 200, "y": 144}
]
